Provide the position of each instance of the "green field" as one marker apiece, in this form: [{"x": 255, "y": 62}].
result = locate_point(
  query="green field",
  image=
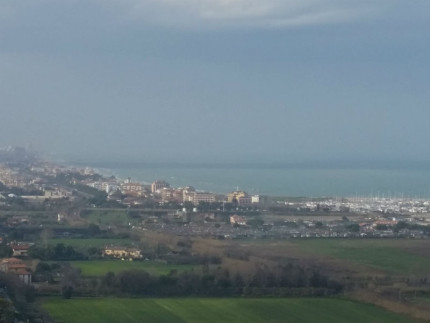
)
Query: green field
[
  {"x": 87, "y": 243},
  {"x": 226, "y": 310},
  {"x": 101, "y": 267},
  {"x": 396, "y": 256},
  {"x": 109, "y": 217}
]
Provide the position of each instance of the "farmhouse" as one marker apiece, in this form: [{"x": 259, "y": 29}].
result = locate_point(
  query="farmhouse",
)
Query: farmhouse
[
  {"x": 17, "y": 267},
  {"x": 20, "y": 250},
  {"x": 17, "y": 220},
  {"x": 118, "y": 252}
]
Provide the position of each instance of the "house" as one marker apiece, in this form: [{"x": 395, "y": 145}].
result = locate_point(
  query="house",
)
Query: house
[
  {"x": 20, "y": 250},
  {"x": 237, "y": 219},
  {"x": 385, "y": 222},
  {"x": 120, "y": 252},
  {"x": 4, "y": 264},
  {"x": 16, "y": 220},
  {"x": 17, "y": 267}
]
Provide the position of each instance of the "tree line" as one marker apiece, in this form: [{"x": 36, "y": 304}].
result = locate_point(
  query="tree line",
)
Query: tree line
[{"x": 286, "y": 280}]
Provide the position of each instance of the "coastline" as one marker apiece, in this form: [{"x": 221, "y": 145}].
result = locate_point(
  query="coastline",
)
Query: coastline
[{"x": 287, "y": 181}]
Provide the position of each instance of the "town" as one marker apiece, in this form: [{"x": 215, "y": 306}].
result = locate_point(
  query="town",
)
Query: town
[
  {"x": 57, "y": 221},
  {"x": 40, "y": 185}
]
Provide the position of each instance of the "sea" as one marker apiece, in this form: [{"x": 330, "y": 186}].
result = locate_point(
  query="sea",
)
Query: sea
[{"x": 294, "y": 180}]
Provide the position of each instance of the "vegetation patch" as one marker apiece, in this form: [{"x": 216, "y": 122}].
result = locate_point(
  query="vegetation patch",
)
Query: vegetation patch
[
  {"x": 88, "y": 243},
  {"x": 102, "y": 267},
  {"x": 395, "y": 256},
  {"x": 110, "y": 217}
]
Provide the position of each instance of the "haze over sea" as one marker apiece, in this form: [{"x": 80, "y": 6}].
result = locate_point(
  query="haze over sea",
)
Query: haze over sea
[{"x": 389, "y": 179}]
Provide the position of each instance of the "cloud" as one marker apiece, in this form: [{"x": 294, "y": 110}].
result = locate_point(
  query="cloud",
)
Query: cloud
[
  {"x": 240, "y": 13},
  {"x": 204, "y": 14}
]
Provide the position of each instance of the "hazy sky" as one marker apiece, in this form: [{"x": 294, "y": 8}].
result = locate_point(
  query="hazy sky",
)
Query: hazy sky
[{"x": 217, "y": 80}]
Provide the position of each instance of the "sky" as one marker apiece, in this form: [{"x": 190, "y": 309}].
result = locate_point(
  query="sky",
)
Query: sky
[{"x": 216, "y": 80}]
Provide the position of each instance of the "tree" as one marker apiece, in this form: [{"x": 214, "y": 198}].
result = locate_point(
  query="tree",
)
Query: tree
[
  {"x": 135, "y": 282},
  {"x": 109, "y": 279},
  {"x": 255, "y": 222},
  {"x": 71, "y": 279},
  {"x": 319, "y": 225},
  {"x": 238, "y": 283},
  {"x": 67, "y": 292},
  {"x": 318, "y": 280},
  {"x": 6, "y": 311},
  {"x": 5, "y": 251},
  {"x": 59, "y": 250},
  {"x": 400, "y": 226},
  {"x": 355, "y": 227},
  {"x": 43, "y": 272},
  {"x": 93, "y": 229},
  {"x": 18, "y": 291},
  {"x": 381, "y": 227},
  {"x": 45, "y": 235}
]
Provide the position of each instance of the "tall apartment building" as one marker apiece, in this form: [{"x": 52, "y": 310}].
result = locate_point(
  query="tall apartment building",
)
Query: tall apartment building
[
  {"x": 190, "y": 195},
  {"x": 158, "y": 185},
  {"x": 234, "y": 197},
  {"x": 132, "y": 188},
  {"x": 203, "y": 197}
]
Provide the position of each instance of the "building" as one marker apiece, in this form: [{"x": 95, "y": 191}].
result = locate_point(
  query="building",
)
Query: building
[
  {"x": 17, "y": 220},
  {"x": 188, "y": 194},
  {"x": 197, "y": 197},
  {"x": 108, "y": 187},
  {"x": 17, "y": 267},
  {"x": 255, "y": 199},
  {"x": 203, "y": 197},
  {"x": 244, "y": 200},
  {"x": 167, "y": 194},
  {"x": 237, "y": 219},
  {"x": 235, "y": 196},
  {"x": 158, "y": 185},
  {"x": 20, "y": 250},
  {"x": 111, "y": 188},
  {"x": 130, "y": 188},
  {"x": 119, "y": 252}
]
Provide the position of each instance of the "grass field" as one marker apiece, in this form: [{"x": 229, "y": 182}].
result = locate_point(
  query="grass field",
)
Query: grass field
[
  {"x": 192, "y": 310},
  {"x": 107, "y": 217},
  {"x": 396, "y": 256},
  {"x": 101, "y": 267},
  {"x": 87, "y": 243}
]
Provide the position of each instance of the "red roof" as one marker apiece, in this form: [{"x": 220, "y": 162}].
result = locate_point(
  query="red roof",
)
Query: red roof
[
  {"x": 20, "y": 247},
  {"x": 16, "y": 266},
  {"x": 11, "y": 261}
]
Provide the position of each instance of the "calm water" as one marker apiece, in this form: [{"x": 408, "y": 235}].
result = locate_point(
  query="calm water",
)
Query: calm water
[{"x": 288, "y": 181}]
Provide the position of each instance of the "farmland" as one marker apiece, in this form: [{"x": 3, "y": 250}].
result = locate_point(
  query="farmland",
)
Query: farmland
[
  {"x": 394, "y": 256},
  {"x": 102, "y": 267},
  {"x": 388, "y": 256},
  {"x": 190, "y": 310}
]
